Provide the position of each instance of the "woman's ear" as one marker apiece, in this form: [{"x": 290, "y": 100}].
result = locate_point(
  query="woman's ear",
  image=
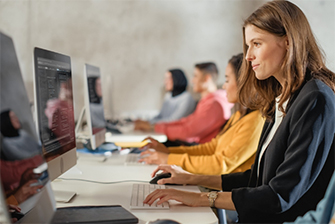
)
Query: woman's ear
[{"x": 287, "y": 43}]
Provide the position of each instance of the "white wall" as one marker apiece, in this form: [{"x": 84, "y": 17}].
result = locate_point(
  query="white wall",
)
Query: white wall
[{"x": 135, "y": 41}]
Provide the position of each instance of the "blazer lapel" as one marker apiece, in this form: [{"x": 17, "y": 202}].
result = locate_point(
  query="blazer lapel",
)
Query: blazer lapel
[{"x": 266, "y": 129}]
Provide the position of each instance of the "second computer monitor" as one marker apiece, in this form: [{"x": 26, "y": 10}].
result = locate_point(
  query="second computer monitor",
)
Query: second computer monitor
[
  {"x": 55, "y": 110},
  {"x": 23, "y": 170},
  {"x": 94, "y": 106}
]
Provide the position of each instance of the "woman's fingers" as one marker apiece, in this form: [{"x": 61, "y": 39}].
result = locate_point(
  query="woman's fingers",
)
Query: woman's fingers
[
  {"x": 165, "y": 181},
  {"x": 151, "y": 197},
  {"x": 146, "y": 152},
  {"x": 14, "y": 207},
  {"x": 165, "y": 168},
  {"x": 147, "y": 160},
  {"x": 158, "y": 194},
  {"x": 187, "y": 198},
  {"x": 163, "y": 199},
  {"x": 150, "y": 139}
]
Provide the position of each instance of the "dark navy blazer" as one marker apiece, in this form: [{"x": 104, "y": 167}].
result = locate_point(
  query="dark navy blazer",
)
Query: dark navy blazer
[{"x": 297, "y": 165}]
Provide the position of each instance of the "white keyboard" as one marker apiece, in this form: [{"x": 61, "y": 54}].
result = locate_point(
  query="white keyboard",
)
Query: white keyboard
[
  {"x": 140, "y": 192},
  {"x": 132, "y": 159}
]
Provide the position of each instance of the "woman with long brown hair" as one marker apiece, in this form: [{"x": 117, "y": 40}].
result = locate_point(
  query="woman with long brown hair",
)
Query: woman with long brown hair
[{"x": 284, "y": 76}]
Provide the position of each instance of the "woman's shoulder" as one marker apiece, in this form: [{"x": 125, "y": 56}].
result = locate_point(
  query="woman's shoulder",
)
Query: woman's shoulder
[
  {"x": 167, "y": 95},
  {"x": 316, "y": 88},
  {"x": 317, "y": 85},
  {"x": 185, "y": 94},
  {"x": 314, "y": 93}
]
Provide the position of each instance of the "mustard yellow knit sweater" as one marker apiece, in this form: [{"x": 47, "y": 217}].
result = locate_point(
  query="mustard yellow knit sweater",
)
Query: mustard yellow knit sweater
[{"x": 232, "y": 151}]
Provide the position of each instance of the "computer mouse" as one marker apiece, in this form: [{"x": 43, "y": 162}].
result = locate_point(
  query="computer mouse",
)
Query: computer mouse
[
  {"x": 161, "y": 176},
  {"x": 109, "y": 146},
  {"x": 163, "y": 221},
  {"x": 17, "y": 215}
]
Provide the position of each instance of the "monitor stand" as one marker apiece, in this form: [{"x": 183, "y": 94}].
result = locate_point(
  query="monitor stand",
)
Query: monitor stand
[
  {"x": 66, "y": 196},
  {"x": 80, "y": 121}
]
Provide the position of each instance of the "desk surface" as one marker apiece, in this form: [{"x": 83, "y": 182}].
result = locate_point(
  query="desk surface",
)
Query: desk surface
[
  {"x": 90, "y": 167},
  {"x": 134, "y": 136}
]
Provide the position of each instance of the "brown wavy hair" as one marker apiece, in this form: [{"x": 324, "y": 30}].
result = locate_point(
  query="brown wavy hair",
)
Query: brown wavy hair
[
  {"x": 283, "y": 19},
  {"x": 236, "y": 63}
]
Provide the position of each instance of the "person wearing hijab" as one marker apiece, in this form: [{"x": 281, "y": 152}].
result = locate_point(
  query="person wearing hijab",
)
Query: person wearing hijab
[{"x": 178, "y": 102}]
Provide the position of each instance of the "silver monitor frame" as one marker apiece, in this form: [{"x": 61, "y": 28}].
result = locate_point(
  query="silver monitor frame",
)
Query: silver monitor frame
[
  {"x": 40, "y": 207},
  {"x": 60, "y": 164},
  {"x": 98, "y": 138}
]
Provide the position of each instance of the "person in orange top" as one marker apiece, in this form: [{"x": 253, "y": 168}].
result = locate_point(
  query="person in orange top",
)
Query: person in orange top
[{"x": 233, "y": 149}]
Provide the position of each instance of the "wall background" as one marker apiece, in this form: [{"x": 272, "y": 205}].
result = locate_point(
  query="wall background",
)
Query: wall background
[{"x": 135, "y": 41}]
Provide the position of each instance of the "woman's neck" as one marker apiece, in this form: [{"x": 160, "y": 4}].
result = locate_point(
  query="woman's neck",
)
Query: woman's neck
[{"x": 280, "y": 78}]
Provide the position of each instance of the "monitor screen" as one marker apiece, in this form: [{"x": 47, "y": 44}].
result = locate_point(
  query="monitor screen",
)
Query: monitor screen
[
  {"x": 24, "y": 174},
  {"x": 94, "y": 106},
  {"x": 95, "y": 98},
  {"x": 54, "y": 107}
]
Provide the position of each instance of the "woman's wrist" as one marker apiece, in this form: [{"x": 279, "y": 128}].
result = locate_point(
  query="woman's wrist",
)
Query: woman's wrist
[
  {"x": 213, "y": 182},
  {"x": 222, "y": 200},
  {"x": 203, "y": 200},
  {"x": 193, "y": 179}
]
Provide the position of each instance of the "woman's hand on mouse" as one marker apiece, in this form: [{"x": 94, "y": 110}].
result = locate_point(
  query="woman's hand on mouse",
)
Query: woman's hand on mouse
[
  {"x": 13, "y": 208},
  {"x": 178, "y": 175},
  {"x": 156, "y": 145},
  {"x": 188, "y": 198},
  {"x": 154, "y": 157}
]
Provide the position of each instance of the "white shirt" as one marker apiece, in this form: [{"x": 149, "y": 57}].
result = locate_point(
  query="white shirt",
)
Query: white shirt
[{"x": 278, "y": 119}]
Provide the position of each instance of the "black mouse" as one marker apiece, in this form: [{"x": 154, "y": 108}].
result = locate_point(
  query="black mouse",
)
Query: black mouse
[
  {"x": 161, "y": 176},
  {"x": 164, "y": 221},
  {"x": 17, "y": 215}
]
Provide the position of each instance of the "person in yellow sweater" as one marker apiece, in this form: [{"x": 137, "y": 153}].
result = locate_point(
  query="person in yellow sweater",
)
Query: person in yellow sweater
[{"x": 232, "y": 150}]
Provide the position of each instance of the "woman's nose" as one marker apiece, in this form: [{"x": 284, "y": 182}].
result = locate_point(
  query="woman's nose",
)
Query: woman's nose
[{"x": 249, "y": 56}]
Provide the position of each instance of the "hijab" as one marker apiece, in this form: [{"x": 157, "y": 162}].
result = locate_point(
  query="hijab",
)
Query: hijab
[{"x": 179, "y": 81}]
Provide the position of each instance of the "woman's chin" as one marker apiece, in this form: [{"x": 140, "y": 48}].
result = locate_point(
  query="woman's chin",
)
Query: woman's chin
[{"x": 261, "y": 77}]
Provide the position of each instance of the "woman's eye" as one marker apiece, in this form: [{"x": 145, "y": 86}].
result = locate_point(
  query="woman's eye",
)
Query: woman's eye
[{"x": 257, "y": 44}]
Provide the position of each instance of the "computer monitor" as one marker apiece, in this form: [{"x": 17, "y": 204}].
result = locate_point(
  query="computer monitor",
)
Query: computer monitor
[
  {"x": 23, "y": 168},
  {"x": 4, "y": 217},
  {"x": 94, "y": 108},
  {"x": 54, "y": 109}
]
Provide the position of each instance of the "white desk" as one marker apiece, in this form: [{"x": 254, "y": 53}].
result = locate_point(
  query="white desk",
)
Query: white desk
[
  {"x": 92, "y": 168},
  {"x": 134, "y": 136},
  {"x": 128, "y": 134}
]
